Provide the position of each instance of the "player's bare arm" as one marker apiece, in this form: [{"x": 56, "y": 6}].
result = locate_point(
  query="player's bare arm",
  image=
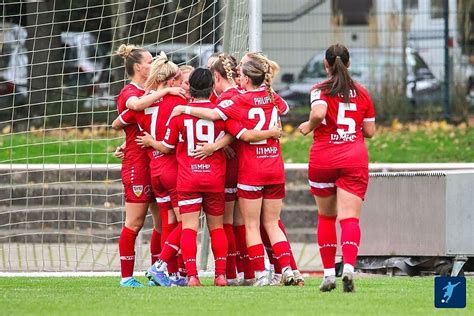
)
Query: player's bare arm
[
  {"x": 148, "y": 141},
  {"x": 118, "y": 124},
  {"x": 255, "y": 136},
  {"x": 139, "y": 104},
  {"x": 204, "y": 150},
  {"x": 368, "y": 129},
  {"x": 317, "y": 115},
  {"x": 204, "y": 113}
]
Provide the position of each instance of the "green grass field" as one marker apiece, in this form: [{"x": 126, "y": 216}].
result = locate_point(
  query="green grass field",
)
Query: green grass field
[
  {"x": 431, "y": 142},
  {"x": 102, "y": 296}
]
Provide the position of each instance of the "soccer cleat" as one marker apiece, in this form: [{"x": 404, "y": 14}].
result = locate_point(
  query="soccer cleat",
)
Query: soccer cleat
[
  {"x": 328, "y": 284},
  {"x": 299, "y": 280},
  {"x": 159, "y": 277},
  {"x": 261, "y": 280},
  {"x": 276, "y": 279},
  {"x": 348, "y": 282},
  {"x": 194, "y": 281},
  {"x": 220, "y": 280},
  {"x": 287, "y": 277},
  {"x": 247, "y": 282},
  {"x": 177, "y": 280},
  {"x": 233, "y": 282},
  {"x": 152, "y": 283},
  {"x": 131, "y": 283}
]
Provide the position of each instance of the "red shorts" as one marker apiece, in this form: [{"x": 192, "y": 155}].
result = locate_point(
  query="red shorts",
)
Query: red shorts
[
  {"x": 253, "y": 192},
  {"x": 324, "y": 182},
  {"x": 213, "y": 203},
  {"x": 164, "y": 189},
  {"x": 136, "y": 183}
]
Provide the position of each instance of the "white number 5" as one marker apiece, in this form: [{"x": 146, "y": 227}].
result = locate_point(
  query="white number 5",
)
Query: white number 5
[{"x": 343, "y": 120}]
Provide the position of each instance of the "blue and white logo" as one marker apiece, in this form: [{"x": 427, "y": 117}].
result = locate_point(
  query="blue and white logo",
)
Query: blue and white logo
[{"x": 450, "y": 292}]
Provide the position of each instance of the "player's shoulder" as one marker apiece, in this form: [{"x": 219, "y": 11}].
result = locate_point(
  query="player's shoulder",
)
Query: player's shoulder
[{"x": 174, "y": 99}]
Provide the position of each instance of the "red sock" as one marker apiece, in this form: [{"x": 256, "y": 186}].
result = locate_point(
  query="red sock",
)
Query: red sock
[
  {"x": 231, "y": 252},
  {"x": 170, "y": 249},
  {"x": 155, "y": 245},
  {"x": 181, "y": 266},
  {"x": 327, "y": 240},
  {"x": 292, "y": 257},
  {"x": 269, "y": 250},
  {"x": 189, "y": 249},
  {"x": 282, "y": 253},
  {"x": 239, "y": 257},
  {"x": 127, "y": 251},
  {"x": 219, "y": 249},
  {"x": 350, "y": 239},
  {"x": 257, "y": 257},
  {"x": 242, "y": 246}
]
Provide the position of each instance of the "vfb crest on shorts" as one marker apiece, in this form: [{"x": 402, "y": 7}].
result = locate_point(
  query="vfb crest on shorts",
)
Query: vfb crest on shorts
[{"x": 138, "y": 190}]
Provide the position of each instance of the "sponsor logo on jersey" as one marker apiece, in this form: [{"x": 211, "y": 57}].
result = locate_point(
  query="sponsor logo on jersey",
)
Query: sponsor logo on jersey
[
  {"x": 137, "y": 190},
  {"x": 262, "y": 100},
  {"x": 201, "y": 167},
  {"x": 265, "y": 152},
  {"x": 343, "y": 137},
  {"x": 157, "y": 154},
  {"x": 226, "y": 103}
]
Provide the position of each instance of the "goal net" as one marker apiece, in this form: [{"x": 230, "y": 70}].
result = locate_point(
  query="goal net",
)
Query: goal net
[{"x": 61, "y": 197}]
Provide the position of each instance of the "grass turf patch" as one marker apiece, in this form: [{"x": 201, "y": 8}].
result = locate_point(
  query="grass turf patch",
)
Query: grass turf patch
[{"x": 102, "y": 296}]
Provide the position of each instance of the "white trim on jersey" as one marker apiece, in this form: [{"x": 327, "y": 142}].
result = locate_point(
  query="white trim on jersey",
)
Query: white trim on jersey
[
  {"x": 287, "y": 108},
  {"x": 369, "y": 119},
  {"x": 221, "y": 114},
  {"x": 131, "y": 98},
  {"x": 163, "y": 199},
  {"x": 319, "y": 102},
  {"x": 137, "y": 86},
  {"x": 121, "y": 118},
  {"x": 167, "y": 145},
  {"x": 240, "y": 133},
  {"x": 189, "y": 202},
  {"x": 249, "y": 187},
  {"x": 321, "y": 185},
  {"x": 230, "y": 190}
]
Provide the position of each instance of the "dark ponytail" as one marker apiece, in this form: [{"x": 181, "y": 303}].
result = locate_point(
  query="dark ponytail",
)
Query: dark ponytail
[{"x": 340, "y": 81}]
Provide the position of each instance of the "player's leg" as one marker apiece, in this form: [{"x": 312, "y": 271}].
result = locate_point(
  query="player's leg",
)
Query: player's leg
[
  {"x": 190, "y": 207},
  {"x": 250, "y": 202},
  {"x": 299, "y": 280},
  {"x": 351, "y": 188},
  {"x": 323, "y": 187},
  {"x": 135, "y": 214},
  {"x": 272, "y": 204},
  {"x": 213, "y": 206},
  {"x": 155, "y": 240},
  {"x": 246, "y": 273}
]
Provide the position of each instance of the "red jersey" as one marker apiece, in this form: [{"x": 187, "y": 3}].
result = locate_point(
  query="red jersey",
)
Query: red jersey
[
  {"x": 133, "y": 153},
  {"x": 184, "y": 132},
  {"x": 227, "y": 95},
  {"x": 153, "y": 120},
  {"x": 260, "y": 163},
  {"x": 338, "y": 140},
  {"x": 213, "y": 97}
]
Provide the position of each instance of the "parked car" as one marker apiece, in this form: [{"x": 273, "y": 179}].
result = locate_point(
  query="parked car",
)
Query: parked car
[
  {"x": 376, "y": 69},
  {"x": 13, "y": 65}
]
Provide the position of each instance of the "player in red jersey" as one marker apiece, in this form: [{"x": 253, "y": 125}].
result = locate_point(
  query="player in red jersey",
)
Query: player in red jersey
[
  {"x": 186, "y": 71},
  {"x": 164, "y": 168},
  {"x": 135, "y": 170},
  {"x": 342, "y": 114},
  {"x": 261, "y": 177},
  {"x": 276, "y": 278},
  {"x": 201, "y": 182}
]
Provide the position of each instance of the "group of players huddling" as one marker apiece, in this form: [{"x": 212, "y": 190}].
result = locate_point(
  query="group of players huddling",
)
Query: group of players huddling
[{"x": 208, "y": 138}]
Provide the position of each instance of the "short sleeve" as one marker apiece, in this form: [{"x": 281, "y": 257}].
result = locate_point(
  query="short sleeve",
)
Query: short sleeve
[
  {"x": 317, "y": 97},
  {"x": 235, "y": 128},
  {"x": 128, "y": 117},
  {"x": 370, "y": 113},
  {"x": 281, "y": 104},
  {"x": 229, "y": 109},
  {"x": 172, "y": 133}
]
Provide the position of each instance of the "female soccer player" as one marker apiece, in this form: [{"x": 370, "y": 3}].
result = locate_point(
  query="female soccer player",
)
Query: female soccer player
[
  {"x": 135, "y": 164},
  {"x": 342, "y": 114},
  {"x": 201, "y": 182},
  {"x": 186, "y": 71},
  {"x": 261, "y": 177}
]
